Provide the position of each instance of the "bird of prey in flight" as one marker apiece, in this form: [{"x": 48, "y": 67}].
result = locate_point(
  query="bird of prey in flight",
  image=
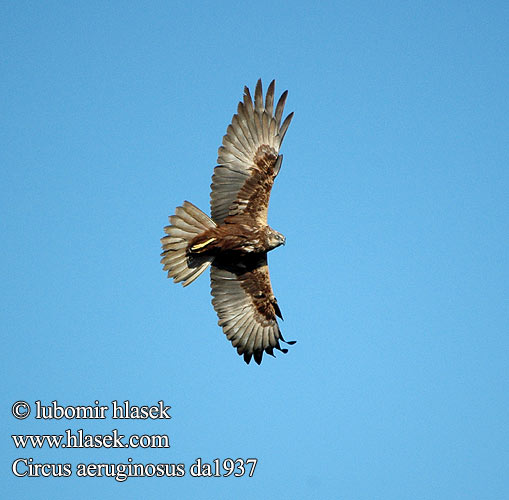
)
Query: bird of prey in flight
[{"x": 235, "y": 239}]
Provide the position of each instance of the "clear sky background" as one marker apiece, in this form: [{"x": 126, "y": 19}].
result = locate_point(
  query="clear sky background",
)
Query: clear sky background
[{"x": 393, "y": 197}]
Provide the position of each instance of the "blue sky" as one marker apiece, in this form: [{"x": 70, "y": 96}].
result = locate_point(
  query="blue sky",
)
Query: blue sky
[{"x": 393, "y": 197}]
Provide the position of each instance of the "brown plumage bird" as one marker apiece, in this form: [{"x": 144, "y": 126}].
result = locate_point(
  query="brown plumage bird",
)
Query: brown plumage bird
[{"x": 235, "y": 240}]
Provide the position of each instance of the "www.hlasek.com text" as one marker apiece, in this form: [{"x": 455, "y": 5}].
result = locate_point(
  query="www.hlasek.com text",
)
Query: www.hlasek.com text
[{"x": 79, "y": 439}]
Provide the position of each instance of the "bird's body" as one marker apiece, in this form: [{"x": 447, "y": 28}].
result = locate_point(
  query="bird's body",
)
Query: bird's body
[
  {"x": 235, "y": 240},
  {"x": 237, "y": 237}
]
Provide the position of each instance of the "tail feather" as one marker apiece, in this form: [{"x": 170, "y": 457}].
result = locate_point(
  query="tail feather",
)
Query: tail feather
[{"x": 187, "y": 223}]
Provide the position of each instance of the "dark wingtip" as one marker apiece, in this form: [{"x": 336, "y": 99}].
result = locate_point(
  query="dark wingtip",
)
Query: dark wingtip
[
  {"x": 258, "y": 355},
  {"x": 277, "y": 310},
  {"x": 289, "y": 342},
  {"x": 247, "y": 96}
]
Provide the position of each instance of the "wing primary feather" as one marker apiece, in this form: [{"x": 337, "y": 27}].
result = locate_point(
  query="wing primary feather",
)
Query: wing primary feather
[
  {"x": 279, "y": 107},
  {"x": 258, "y": 355},
  {"x": 257, "y": 335},
  {"x": 239, "y": 132},
  {"x": 239, "y": 142},
  {"x": 265, "y": 337},
  {"x": 284, "y": 127},
  {"x": 289, "y": 342},
  {"x": 259, "y": 97},
  {"x": 265, "y": 119},
  {"x": 248, "y": 107},
  {"x": 243, "y": 122},
  {"x": 269, "y": 98},
  {"x": 277, "y": 166},
  {"x": 248, "y": 102},
  {"x": 259, "y": 127}
]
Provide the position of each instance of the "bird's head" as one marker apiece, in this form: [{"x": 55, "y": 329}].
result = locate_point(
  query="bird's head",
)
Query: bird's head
[{"x": 275, "y": 239}]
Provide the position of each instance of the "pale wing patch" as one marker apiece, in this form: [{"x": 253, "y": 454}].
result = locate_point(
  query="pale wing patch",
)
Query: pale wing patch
[{"x": 202, "y": 245}]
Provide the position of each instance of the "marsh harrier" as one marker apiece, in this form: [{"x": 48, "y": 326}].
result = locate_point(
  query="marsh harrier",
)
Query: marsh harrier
[{"x": 235, "y": 239}]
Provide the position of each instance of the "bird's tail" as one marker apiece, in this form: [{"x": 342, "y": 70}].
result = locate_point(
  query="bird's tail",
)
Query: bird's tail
[{"x": 187, "y": 223}]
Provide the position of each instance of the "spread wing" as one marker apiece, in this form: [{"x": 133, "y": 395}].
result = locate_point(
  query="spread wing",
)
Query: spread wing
[
  {"x": 246, "y": 307},
  {"x": 249, "y": 160}
]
